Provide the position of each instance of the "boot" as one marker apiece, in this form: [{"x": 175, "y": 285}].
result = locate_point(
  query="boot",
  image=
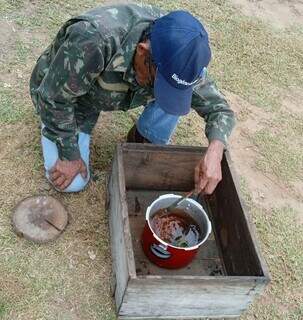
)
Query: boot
[{"x": 134, "y": 136}]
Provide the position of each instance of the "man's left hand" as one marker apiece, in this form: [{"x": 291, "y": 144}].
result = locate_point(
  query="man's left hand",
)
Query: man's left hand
[{"x": 208, "y": 171}]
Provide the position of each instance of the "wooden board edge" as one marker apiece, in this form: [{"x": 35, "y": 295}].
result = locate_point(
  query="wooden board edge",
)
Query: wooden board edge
[
  {"x": 124, "y": 212},
  {"x": 261, "y": 279},
  {"x": 245, "y": 292},
  {"x": 126, "y": 146},
  {"x": 178, "y": 318},
  {"x": 247, "y": 216},
  {"x": 209, "y": 212}
]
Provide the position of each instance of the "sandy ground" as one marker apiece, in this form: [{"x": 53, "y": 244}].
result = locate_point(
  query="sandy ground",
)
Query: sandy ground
[
  {"x": 279, "y": 13},
  {"x": 266, "y": 190}
]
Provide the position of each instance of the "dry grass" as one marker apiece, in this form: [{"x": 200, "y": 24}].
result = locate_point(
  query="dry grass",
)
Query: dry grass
[
  {"x": 281, "y": 237},
  {"x": 70, "y": 278}
]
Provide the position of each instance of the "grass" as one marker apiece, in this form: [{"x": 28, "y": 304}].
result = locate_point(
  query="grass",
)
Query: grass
[
  {"x": 11, "y": 110},
  {"x": 3, "y": 309},
  {"x": 23, "y": 51},
  {"x": 47, "y": 15},
  {"x": 282, "y": 241},
  {"x": 278, "y": 157},
  {"x": 55, "y": 272},
  {"x": 60, "y": 280},
  {"x": 282, "y": 238},
  {"x": 280, "y": 151},
  {"x": 7, "y": 6}
]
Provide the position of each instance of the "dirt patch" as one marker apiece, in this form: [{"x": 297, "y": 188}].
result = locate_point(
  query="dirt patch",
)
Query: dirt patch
[
  {"x": 265, "y": 189},
  {"x": 279, "y": 13},
  {"x": 292, "y": 100},
  {"x": 8, "y": 30}
]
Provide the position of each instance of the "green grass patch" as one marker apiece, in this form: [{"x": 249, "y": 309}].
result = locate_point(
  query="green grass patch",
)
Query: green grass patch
[
  {"x": 282, "y": 241},
  {"x": 278, "y": 156},
  {"x": 288, "y": 125},
  {"x": 279, "y": 147},
  {"x": 11, "y": 110},
  {"x": 50, "y": 15},
  {"x": 7, "y": 6},
  {"x": 190, "y": 131},
  {"x": 22, "y": 50},
  {"x": 115, "y": 127},
  {"x": 245, "y": 192},
  {"x": 3, "y": 309}
]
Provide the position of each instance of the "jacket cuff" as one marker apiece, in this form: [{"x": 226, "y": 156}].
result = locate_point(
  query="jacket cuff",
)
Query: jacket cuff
[
  {"x": 69, "y": 150},
  {"x": 216, "y": 134}
]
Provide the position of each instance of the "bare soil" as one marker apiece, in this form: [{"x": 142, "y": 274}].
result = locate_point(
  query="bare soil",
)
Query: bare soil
[
  {"x": 266, "y": 190},
  {"x": 279, "y": 13}
]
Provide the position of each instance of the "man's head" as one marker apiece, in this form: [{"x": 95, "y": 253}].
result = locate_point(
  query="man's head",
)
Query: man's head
[
  {"x": 143, "y": 65},
  {"x": 173, "y": 59}
]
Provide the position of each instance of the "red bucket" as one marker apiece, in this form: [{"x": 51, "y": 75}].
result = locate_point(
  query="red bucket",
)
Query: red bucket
[{"x": 164, "y": 254}]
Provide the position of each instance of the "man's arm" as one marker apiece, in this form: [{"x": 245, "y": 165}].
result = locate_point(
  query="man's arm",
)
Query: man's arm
[
  {"x": 212, "y": 106},
  {"x": 78, "y": 61}
]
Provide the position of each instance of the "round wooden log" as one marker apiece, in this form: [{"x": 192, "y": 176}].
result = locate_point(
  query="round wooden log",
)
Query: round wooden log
[{"x": 39, "y": 218}]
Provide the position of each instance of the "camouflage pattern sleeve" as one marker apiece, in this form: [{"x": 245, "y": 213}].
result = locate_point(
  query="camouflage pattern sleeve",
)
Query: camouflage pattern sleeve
[
  {"x": 213, "y": 107},
  {"x": 76, "y": 64}
]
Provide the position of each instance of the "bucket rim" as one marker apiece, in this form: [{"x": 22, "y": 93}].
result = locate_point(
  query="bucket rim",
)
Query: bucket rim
[{"x": 194, "y": 202}]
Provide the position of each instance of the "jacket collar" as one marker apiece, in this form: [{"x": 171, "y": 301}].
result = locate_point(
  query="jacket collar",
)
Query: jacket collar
[{"x": 122, "y": 60}]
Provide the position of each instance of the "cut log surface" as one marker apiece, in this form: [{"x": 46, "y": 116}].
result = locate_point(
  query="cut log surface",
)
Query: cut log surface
[{"x": 39, "y": 218}]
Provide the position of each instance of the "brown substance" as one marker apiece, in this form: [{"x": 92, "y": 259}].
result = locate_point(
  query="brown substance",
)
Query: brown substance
[{"x": 177, "y": 228}]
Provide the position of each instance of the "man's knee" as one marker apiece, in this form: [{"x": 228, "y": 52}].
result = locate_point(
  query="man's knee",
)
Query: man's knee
[
  {"x": 77, "y": 185},
  {"x": 50, "y": 154}
]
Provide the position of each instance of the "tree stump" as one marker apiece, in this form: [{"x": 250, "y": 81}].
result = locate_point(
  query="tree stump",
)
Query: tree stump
[{"x": 40, "y": 219}]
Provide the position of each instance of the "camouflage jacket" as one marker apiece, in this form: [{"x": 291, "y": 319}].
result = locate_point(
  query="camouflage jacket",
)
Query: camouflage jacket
[{"x": 88, "y": 68}]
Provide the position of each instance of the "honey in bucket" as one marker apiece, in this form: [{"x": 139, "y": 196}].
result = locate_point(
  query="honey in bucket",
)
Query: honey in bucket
[{"x": 176, "y": 227}]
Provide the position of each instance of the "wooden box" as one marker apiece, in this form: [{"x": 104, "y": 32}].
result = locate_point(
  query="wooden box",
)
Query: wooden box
[{"x": 228, "y": 271}]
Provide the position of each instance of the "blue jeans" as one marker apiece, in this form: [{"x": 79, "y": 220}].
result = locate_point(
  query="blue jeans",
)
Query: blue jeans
[
  {"x": 156, "y": 125},
  {"x": 153, "y": 124},
  {"x": 50, "y": 155}
]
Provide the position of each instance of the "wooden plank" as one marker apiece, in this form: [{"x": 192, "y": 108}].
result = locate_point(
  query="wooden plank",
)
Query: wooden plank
[
  {"x": 121, "y": 245},
  {"x": 160, "y": 148},
  {"x": 207, "y": 261},
  {"x": 125, "y": 216},
  {"x": 177, "y": 318},
  {"x": 247, "y": 219},
  {"x": 161, "y": 294},
  {"x": 205, "y": 202},
  {"x": 166, "y": 297},
  {"x": 154, "y": 172},
  {"x": 231, "y": 225},
  {"x": 160, "y": 168}
]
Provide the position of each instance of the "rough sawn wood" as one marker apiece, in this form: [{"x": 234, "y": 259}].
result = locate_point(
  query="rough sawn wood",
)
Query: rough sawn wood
[{"x": 141, "y": 173}]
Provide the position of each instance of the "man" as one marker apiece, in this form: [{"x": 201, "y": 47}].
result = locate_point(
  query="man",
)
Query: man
[{"x": 118, "y": 58}]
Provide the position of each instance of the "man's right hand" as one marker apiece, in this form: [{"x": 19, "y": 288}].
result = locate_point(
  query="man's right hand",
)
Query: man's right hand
[{"x": 64, "y": 171}]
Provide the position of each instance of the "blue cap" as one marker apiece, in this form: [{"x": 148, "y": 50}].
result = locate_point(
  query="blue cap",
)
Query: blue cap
[{"x": 181, "y": 52}]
